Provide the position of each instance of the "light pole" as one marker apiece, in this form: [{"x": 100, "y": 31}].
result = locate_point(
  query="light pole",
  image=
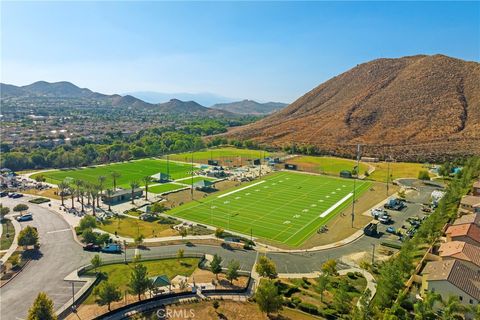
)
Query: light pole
[
  {"x": 125, "y": 251},
  {"x": 373, "y": 254},
  {"x": 74, "y": 308}
]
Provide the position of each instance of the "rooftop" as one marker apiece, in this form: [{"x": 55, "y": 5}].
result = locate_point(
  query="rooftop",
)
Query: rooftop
[
  {"x": 462, "y": 251},
  {"x": 470, "y": 230},
  {"x": 476, "y": 184},
  {"x": 455, "y": 272},
  {"x": 468, "y": 219},
  {"x": 470, "y": 200}
]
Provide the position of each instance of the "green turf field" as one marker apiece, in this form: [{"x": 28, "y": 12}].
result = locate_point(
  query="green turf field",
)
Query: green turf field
[
  {"x": 164, "y": 187},
  {"x": 286, "y": 207},
  {"x": 228, "y": 154},
  {"x": 130, "y": 171}
]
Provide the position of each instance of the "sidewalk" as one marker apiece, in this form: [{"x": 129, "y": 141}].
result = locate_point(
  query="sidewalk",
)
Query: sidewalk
[
  {"x": 162, "y": 239},
  {"x": 14, "y": 245}
]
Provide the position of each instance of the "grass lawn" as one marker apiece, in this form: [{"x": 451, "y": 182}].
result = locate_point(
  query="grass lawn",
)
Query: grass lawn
[
  {"x": 397, "y": 170},
  {"x": 119, "y": 273},
  {"x": 328, "y": 165},
  {"x": 284, "y": 207},
  {"x": 224, "y": 155},
  {"x": 130, "y": 227},
  {"x": 5, "y": 242},
  {"x": 164, "y": 187},
  {"x": 130, "y": 171}
]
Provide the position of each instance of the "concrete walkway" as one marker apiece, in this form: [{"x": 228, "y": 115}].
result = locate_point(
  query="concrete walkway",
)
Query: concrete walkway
[
  {"x": 162, "y": 239},
  {"x": 14, "y": 245}
]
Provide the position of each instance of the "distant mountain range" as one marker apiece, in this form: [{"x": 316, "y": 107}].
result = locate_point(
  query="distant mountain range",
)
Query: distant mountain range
[
  {"x": 413, "y": 108},
  {"x": 204, "y": 99},
  {"x": 250, "y": 107},
  {"x": 66, "y": 90}
]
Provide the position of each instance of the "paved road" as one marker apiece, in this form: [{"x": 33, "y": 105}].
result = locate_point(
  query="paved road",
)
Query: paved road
[{"x": 59, "y": 255}]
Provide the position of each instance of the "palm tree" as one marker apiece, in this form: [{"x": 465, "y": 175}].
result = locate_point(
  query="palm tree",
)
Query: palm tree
[
  {"x": 101, "y": 182},
  {"x": 134, "y": 185},
  {"x": 453, "y": 308},
  {"x": 146, "y": 180},
  {"x": 72, "y": 195},
  {"x": 109, "y": 193},
  {"x": 78, "y": 185},
  {"x": 62, "y": 188},
  {"x": 94, "y": 192},
  {"x": 424, "y": 308},
  {"x": 115, "y": 176},
  {"x": 81, "y": 192}
]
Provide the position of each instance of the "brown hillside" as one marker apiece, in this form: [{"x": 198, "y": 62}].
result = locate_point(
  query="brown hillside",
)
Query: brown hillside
[{"x": 415, "y": 107}]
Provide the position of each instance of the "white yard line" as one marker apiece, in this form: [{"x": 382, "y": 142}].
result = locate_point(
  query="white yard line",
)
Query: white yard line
[
  {"x": 336, "y": 205},
  {"x": 234, "y": 191}
]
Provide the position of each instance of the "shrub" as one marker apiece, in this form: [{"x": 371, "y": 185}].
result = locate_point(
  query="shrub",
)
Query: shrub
[
  {"x": 39, "y": 200},
  {"x": 308, "y": 308},
  {"x": 351, "y": 275}
]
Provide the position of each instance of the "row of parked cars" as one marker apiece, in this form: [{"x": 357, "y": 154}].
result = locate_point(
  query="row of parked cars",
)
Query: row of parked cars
[
  {"x": 13, "y": 195},
  {"x": 108, "y": 248}
]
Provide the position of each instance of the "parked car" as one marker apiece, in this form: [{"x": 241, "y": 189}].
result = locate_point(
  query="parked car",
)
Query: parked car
[
  {"x": 3, "y": 194},
  {"x": 112, "y": 248},
  {"x": 25, "y": 217},
  {"x": 395, "y": 204},
  {"x": 16, "y": 195},
  {"x": 371, "y": 229},
  {"x": 385, "y": 219},
  {"x": 92, "y": 247},
  {"x": 391, "y": 230},
  {"x": 378, "y": 212}
]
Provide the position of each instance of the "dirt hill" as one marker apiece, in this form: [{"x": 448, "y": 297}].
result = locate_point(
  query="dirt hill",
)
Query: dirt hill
[{"x": 418, "y": 107}]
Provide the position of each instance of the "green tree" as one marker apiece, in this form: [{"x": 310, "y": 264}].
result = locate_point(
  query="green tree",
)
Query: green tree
[
  {"x": 96, "y": 262},
  {"x": 341, "y": 298},
  {"x": 101, "y": 185},
  {"x": 158, "y": 207},
  {"x": 106, "y": 293},
  {"x": 330, "y": 267},
  {"x": 20, "y": 207},
  {"x": 139, "y": 240},
  {"x": 42, "y": 308},
  {"x": 424, "y": 308},
  {"x": 3, "y": 211},
  {"x": 453, "y": 309},
  {"x": 423, "y": 175},
  {"x": 139, "y": 281},
  {"x": 89, "y": 236},
  {"x": 266, "y": 267},
  {"x": 322, "y": 284},
  {"x": 180, "y": 253},
  {"x": 232, "y": 270},
  {"x": 87, "y": 222},
  {"x": 28, "y": 237},
  {"x": 219, "y": 232},
  {"x": 183, "y": 232},
  {"x": 268, "y": 298},
  {"x": 133, "y": 185},
  {"x": 216, "y": 265}
]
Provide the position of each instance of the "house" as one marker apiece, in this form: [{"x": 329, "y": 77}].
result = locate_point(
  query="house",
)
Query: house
[
  {"x": 121, "y": 195},
  {"x": 459, "y": 250},
  {"x": 160, "y": 177},
  {"x": 452, "y": 278},
  {"x": 470, "y": 204},
  {"x": 476, "y": 189},
  {"x": 469, "y": 233},
  {"x": 467, "y": 219}
]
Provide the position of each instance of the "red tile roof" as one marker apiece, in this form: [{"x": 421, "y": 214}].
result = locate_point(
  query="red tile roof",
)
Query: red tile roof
[
  {"x": 461, "y": 251},
  {"x": 470, "y": 230}
]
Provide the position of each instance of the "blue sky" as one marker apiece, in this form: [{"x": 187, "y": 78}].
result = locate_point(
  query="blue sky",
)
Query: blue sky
[{"x": 273, "y": 51}]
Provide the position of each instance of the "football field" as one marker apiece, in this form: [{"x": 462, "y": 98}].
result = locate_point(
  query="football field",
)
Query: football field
[
  {"x": 285, "y": 207},
  {"x": 129, "y": 171}
]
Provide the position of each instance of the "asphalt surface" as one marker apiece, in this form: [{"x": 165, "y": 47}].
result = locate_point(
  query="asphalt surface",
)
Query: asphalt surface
[{"x": 60, "y": 255}]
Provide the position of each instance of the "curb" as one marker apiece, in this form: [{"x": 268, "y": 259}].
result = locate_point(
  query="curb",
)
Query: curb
[{"x": 16, "y": 274}]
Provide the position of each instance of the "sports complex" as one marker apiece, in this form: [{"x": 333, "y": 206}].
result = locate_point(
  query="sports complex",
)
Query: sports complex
[{"x": 284, "y": 207}]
